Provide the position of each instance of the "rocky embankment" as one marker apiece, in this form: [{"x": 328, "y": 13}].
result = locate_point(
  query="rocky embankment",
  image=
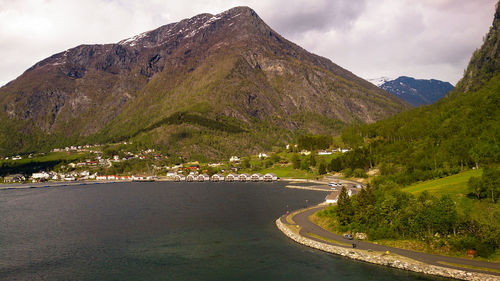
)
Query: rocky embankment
[{"x": 385, "y": 259}]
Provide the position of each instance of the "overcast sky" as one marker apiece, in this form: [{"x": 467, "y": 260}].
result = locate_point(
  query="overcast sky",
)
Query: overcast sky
[{"x": 372, "y": 38}]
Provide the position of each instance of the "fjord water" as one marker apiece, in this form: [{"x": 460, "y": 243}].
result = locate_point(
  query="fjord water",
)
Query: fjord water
[{"x": 164, "y": 231}]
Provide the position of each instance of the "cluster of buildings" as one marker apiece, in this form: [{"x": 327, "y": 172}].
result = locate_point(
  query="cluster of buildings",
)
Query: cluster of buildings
[
  {"x": 68, "y": 176},
  {"x": 194, "y": 177},
  {"x": 333, "y": 197},
  {"x": 126, "y": 178}
]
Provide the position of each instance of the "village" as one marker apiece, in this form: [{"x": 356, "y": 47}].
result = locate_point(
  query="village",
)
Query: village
[{"x": 124, "y": 161}]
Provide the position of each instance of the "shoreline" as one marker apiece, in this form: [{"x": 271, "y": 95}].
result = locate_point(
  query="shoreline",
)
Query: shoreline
[{"x": 382, "y": 258}]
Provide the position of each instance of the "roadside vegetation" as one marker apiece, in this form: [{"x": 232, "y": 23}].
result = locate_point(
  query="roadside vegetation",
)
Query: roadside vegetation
[{"x": 441, "y": 216}]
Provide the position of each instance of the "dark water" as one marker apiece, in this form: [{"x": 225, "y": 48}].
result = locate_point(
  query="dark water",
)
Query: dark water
[{"x": 164, "y": 231}]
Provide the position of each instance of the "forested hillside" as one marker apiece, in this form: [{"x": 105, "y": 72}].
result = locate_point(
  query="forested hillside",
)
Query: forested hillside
[{"x": 459, "y": 132}]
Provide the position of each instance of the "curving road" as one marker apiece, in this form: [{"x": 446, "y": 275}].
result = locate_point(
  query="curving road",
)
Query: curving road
[{"x": 302, "y": 219}]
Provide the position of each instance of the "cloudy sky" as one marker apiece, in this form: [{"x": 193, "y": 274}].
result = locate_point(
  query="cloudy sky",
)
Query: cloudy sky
[{"x": 372, "y": 38}]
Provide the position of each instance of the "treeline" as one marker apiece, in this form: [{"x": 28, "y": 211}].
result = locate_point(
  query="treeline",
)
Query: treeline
[
  {"x": 393, "y": 214},
  {"x": 314, "y": 142},
  {"x": 487, "y": 186}
]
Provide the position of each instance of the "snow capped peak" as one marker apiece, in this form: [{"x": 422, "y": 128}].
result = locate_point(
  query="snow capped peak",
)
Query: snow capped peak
[
  {"x": 186, "y": 28},
  {"x": 132, "y": 41},
  {"x": 380, "y": 81}
]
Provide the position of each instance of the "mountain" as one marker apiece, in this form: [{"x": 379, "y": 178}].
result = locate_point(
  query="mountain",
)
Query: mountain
[
  {"x": 211, "y": 85},
  {"x": 416, "y": 91},
  {"x": 485, "y": 62},
  {"x": 458, "y": 131}
]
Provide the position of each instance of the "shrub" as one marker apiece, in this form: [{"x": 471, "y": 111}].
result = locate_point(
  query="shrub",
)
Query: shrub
[
  {"x": 359, "y": 173},
  {"x": 347, "y": 172}
]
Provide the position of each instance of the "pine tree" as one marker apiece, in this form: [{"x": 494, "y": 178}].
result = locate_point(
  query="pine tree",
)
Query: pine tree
[
  {"x": 344, "y": 207},
  {"x": 296, "y": 161},
  {"x": 322, "y": 168}
]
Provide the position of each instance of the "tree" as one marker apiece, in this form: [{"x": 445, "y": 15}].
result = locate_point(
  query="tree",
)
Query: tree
[
  {"x": 312, "y": 160},
  {"x": 304, "y": 164},
  {"x": 296, "y": 161},
  {"x": 476, "y": 187},
  {"x": 335, "y": 164},
  {"x": 245, "y": 163},
  {"x": 275, "y": 158},
  {"x": 359, "y": 173},
  {"x": 344, "y": 207},
  {"x": 491, "y": 181},
  {"x": 322, "y": 168}
]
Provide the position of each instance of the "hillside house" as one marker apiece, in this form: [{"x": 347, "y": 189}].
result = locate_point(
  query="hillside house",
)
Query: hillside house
[{"x": 234, "y": 159}]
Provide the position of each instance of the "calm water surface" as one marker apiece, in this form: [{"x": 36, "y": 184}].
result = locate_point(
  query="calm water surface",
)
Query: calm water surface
[{"x": 164, "y": 231}]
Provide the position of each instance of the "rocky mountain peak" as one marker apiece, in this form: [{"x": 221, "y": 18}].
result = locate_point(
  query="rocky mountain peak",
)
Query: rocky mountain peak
[{"x": 226, "y": 73}]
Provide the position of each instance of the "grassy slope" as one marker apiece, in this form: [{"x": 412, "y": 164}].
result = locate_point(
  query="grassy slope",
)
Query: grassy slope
[{"x": 455, "y": 186}]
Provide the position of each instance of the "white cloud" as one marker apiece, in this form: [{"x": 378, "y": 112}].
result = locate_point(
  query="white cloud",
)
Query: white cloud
[{"x": 372, "y": 38}]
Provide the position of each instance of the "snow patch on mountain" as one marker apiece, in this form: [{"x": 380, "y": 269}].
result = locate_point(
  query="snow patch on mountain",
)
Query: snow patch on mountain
[{"x": 380, "y": 81}]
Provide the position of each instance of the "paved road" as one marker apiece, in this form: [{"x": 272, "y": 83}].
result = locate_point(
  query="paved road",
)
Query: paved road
[{"x": 302, "y": 219}]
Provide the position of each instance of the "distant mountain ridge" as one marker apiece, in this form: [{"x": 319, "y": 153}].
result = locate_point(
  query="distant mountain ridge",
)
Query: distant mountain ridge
[
  {"x": 210, "y": 85},
  {"x": 414, "y": 91}
]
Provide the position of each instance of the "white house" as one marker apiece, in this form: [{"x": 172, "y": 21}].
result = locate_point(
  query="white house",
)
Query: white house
[
  {"x": 191, "y": 177},
  {"x": 243, "y": 177},
  {"x": 202, "y": 178},
  {"x": 171, "y": 174},
  {"x": 231, "y": 177},
  {"x": 324, "y": 152},
  {"x": 179, "y": 177},
  {"x": 270, "y": 177},
  {"x": 217, "y": 177},
  {"x": 333, "y": 197},
  {"x": 234, "y": 159},
  {"x": 69, "y": 178},
  {"x": 262, "y": 155},
  {"x": 40, "y": 176},
  {"x": 256, "y": 177},
  {"x": 305, "y": 152}
]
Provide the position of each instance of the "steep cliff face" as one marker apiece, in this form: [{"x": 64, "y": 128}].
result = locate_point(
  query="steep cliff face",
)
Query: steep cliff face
[
  {"x": 485, "y": 62},
  {"x": 229, "y": 68}
]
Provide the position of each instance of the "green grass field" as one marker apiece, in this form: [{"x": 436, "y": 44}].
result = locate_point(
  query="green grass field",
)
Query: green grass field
[
  {"x": 455, "y": 186},
  {"x": 289, "y": 172},
  {"x": 452, "y": 185}
]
